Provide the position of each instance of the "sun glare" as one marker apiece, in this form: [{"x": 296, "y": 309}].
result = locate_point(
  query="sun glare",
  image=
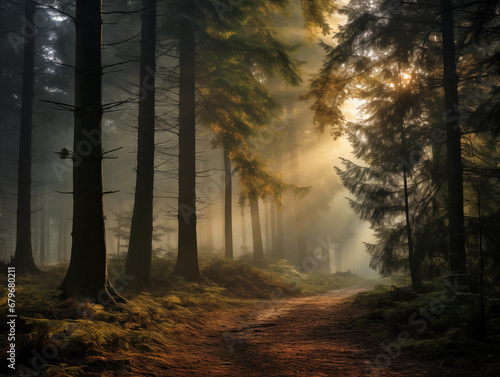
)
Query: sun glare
[{"x": 405, "y": 79}]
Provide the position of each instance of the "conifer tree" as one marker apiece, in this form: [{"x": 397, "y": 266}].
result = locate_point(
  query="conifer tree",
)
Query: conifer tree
[
  {"x": 420, "y": 39},
  {"x": 141, "y": 231},
  {"x": 221, "y": 49},
  {"x": 228, "y": 207},
  {"x": 87, "y": 275},
  {"x": 23, "y": 257},
  {"x": 385, "y": 57}
]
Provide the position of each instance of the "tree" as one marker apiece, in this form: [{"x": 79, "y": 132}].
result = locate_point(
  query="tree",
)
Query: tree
[
  {"x": 481, "y": 128},
  {"x": 378, "y": 40},
  {"x": 243, "y": 45},
  {"x": 453, "y": 143},
  {"x": 280, "y": 248},
  {"x": 228, "y": 207},
  {"x": 23, "y": 257},
  {"x": 141, "y": 232},
  {"x": 315, "y": 14},
  {"x": 294, "y": 165},
  {"x": 258, "y": 249},
  {"x": 87, "y": 273},
  {"x": 236, "y": 105},
  {"x": 388, "y": 202},
  {"x": 257, "y": 182},
  {"x": 122, "y": 228},
  {"x": 187, "y": 257},
  {"x": 44, "y": 232}
]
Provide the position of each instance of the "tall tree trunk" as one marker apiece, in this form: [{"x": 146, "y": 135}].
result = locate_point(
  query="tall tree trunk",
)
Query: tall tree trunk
[
  {"x": 141, "y": 231},
  {"x": 280, "y": 234},
  {"x": 274, "y": 234},
  {"x": 187, "y": 254},
  {"x": 228, "y": 208},
  {"x": 243, "y": 227},
  {"x": 208, "y": 229},
  {"x": 47, "y": 250},
  {"x": 477, "y": 186},
  {"x": 60, "y": 241},
  {"x": 87, "y": 273},
  {"x": 294, "y": 165},
  {"x": 119, "y": 228},
  {"x": 267, "y": 227},
  {"x": 23, "y": 257},
  {"x": 280, "y": 239},
  {"x": 453, "y": 144},
  {"x": 414, "y": 266},
  {"x": 258, "y": 250},
  {"x": 43, "y": 232},
  {"x": 414, "y": 260},
  {"x": 66, "y": 250},
  {"x": 169, "y": 238}
]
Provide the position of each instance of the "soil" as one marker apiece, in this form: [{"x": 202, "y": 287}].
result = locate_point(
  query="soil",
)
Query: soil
[{"x": 312, "y": 336}]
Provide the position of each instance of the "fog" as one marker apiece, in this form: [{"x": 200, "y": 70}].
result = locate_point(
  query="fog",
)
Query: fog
[{"x": 328, "y": 222}]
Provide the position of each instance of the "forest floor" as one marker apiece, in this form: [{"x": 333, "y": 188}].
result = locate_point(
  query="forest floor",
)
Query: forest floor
[
  {"x": 311, "y": 336},
  {"x": 253, "y": 321}
]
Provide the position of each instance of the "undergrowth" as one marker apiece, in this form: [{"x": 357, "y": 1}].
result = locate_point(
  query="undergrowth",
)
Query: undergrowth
[
  {"x": 442, "y": 322},
  {"x": 56, "y": 337}
]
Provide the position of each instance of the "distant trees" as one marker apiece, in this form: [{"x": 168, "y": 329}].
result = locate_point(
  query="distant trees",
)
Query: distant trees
[
  {"x": 224, "y": 61},
  {"x": 122, "y": 228},
  {"x": 228, "y": 207},
  {"x": 228, "y": 58},
  {"x": 294, "y": 166},
  {"x": 258, "y": 249}
]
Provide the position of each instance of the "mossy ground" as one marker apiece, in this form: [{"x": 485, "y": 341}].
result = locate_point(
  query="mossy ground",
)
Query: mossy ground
[
  {"x": 442, "y": 322},
  {"x": 56, "y": 337}
]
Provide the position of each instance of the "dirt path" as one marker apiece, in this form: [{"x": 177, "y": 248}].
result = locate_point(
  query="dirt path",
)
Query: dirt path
[{"x": 312, "y": 336}]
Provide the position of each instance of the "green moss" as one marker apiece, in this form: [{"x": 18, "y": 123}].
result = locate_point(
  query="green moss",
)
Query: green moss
[
  {"x": 317, "y": 283},
  {"x": 440, "y": 322}
]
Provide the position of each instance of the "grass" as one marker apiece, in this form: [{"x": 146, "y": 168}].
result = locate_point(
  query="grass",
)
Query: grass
[{"x": 71, "y": 338}]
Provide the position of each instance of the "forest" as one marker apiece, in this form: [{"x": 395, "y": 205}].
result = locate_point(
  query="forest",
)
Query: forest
[{"x": 267, "y": 188}]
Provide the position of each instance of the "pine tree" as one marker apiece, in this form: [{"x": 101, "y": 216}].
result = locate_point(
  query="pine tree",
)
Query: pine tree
[
  {"x": 240, "y": 45},
  {"x": 87, "y": 273},
  {"x": 140, "y": 245},
  {"x": 23, "y": 257},
  {"x": 480, "y": 105},
  {"x": 228, "y": 207},
  {"x": 187, "y": 258},
  {"x": 258, "y": 249},
  {"x": 380, "y": 42},
  {"x": 453, "y": 143}
]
